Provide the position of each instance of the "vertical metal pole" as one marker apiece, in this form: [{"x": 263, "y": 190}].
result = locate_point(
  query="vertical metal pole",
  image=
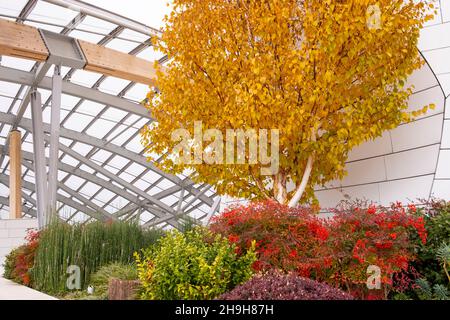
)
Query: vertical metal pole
[
  {"x": 39, "y": 157},
  {"x": 214, "y": 208},
  {"x": 15, "y": 175},
  {"x": 54, "y": 140}
]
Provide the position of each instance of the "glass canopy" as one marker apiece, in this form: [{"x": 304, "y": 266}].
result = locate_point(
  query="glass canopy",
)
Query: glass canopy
[{"x": 102, "y": 167}]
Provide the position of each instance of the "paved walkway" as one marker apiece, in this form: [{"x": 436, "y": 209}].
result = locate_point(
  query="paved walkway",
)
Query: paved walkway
[{"x": 12, "y": 291}]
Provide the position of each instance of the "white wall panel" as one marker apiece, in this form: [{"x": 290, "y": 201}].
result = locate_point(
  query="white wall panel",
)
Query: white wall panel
[
  {"x": 443, "y": 168},
  {"x": 438, "y": 59},
  {"x": 446, "y": 135},
  {"x": 412, "y": 163},
  {"x": 420, "y": 99},
  {"x": 373, "y": 148},
  {"x": 406, "y": 190},
  {"x": 434, "y": 37},
  {"x": 422, "y": 79},
  {"x": 417, "y": 134},
  {"x": 365, "y": 171},
  {"x": 403, "y": 163},
  {"x": 445, "y": 9},
  {"x": 447, "y": 110},
  {"x": 331, "y": 198},
  {"x": 441, "y": 189}
]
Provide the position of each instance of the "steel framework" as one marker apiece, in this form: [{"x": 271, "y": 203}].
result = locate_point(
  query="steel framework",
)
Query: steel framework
[{"x": 107, "y": 167}]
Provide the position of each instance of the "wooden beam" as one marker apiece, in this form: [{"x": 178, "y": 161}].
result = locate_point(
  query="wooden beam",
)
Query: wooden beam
[
  {"x": 117, "y": 64},
  {"x": 25, "y": 41},
  {"x": 21, "y": 41},
  {"x": 15, "y": 176}
]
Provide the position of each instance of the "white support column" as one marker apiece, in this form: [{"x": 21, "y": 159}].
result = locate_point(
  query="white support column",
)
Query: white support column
[
  {"x": 54, "y": 140},
  {"x": 39, "y": 157}
]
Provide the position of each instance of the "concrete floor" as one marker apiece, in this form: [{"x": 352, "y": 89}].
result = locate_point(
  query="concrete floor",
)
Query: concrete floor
[{"x": 12, "y": 291}]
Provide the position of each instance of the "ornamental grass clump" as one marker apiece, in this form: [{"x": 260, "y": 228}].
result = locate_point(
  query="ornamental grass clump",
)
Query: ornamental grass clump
[
  {"x": 195, "y": 265},
  {"x": 88, "y": 247}
]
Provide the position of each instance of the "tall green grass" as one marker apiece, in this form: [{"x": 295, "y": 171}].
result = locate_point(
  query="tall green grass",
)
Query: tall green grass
[{"x": 89, "y": 247}]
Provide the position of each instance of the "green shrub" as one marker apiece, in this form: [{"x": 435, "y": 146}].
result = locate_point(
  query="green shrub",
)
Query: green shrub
[
  {"x": 427, "y": 292},
  {"x": 89, "y": 247},
  {"x": 100, "y": 281},
  {"x": 191, "y": 266},
  {"x": 10, "y": 263},
  {"x": 437, "y": 224}
]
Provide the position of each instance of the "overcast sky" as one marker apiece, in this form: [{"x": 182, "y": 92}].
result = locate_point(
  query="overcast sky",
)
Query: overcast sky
[{"x": 149, "y": 12}]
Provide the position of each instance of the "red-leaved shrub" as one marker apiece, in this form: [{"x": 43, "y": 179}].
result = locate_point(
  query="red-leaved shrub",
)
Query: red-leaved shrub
[
  {"x": 372, "y": 236},
  {"x": 290, "y": 239},
  {"x": 284, "y": 287},
  {"x": 338, "y": 250},
  {"x": 24, "y": 259}
]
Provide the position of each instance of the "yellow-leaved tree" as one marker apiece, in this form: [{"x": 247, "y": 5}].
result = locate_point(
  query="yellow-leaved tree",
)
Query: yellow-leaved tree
[{"x": 327, "y": 74}]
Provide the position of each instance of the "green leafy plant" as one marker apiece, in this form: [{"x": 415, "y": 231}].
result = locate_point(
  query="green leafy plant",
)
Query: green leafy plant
[
  {"x": 89, "y": 247},
  {"x": 192, "y": 265},
  {"x": 443, "y": 255},
  {"x": 437, "y": 223},
  {"x": 431, "y": 263},
  {"x": 439, "y": 291},
  {"x": 426, "y": 292},
  {"x": 10, "y": 263}
]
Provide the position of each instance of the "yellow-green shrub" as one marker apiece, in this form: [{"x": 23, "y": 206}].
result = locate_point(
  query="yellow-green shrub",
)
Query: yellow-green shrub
[{"x": 194, "y": 265}]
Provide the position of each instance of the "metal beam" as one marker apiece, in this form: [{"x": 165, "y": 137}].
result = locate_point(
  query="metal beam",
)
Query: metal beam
[
  {"x": 5, "y": 201},
  {"x": 54, "y": 138},
  {"x": 4, "y": 179},
  {"x": 29, "y": 6},
  {"x": 37, "y": 77},
  {"x": 99, "y": 213},
  {"x": 99, "y": 143},
  {"x": 215, "y": 207},
  {"x": 106, "y": 15},
  {"x": 115, "y": 178},
  {"x": 23, "y": 77},
  {"x": 39, "y": 157},
  {"x": 100, "y": 182},
  {"x": 71, "y": 203}
]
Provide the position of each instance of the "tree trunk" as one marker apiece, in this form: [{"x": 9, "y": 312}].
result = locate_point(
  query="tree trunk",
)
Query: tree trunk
[
  {"x": 122, "y": 289},
  {"x": 279, "y": 188},
  {"x": 303, "y": 184}
]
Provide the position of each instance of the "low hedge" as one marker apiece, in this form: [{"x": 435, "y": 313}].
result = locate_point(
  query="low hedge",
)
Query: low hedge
[{"x": 284, "y": 287}]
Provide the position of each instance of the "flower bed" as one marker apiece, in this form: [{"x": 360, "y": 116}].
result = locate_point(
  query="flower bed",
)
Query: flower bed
[{"x": 342, "y": 251}]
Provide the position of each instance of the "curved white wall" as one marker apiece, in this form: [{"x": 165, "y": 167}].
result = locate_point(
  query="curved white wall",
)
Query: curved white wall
[{"x": 408, "y": 163}]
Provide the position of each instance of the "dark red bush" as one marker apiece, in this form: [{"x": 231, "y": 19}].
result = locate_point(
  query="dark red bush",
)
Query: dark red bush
[{"x": 284, "y": 287}]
